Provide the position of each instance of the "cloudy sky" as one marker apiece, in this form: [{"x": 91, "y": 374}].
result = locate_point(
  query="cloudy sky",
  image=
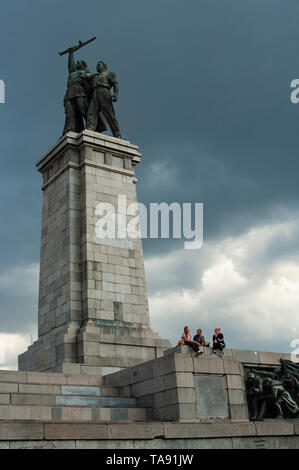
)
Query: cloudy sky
[{"x": 205, "y": 92}]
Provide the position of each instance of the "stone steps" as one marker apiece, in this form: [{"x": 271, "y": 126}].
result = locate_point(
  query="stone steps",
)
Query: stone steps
[
  {"x": 52, "y": 397},
  {"x": 69, "y": 400},
  {"x": 73, "y": 413},
  {"x": 49, "y": 378},
  {"x": 50, "y": 389}
]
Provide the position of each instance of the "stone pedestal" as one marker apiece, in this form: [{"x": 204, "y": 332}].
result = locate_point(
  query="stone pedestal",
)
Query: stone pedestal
[{"x": 93, "y": 306}]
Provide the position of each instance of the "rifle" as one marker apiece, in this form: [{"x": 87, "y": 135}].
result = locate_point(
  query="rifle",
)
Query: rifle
[{"x": 77, "y": 47}]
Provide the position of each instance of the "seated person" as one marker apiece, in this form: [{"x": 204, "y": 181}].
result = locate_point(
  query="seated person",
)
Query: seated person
[
  {"x": 199, "y": 338},
  {"x": 218, "y": 342},
  {"x": 186, "y": 338}
]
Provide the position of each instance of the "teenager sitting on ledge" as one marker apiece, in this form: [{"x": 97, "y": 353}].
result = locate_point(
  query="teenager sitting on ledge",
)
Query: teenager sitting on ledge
[
  {"x": 186, "y": 339},
  {"x": 218, "y": 342},
  {"x": 199, "y": 338}
]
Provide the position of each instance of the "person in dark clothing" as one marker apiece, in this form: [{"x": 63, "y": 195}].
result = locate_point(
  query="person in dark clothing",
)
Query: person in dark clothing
[
  {"x": 186, "y": 338},
  {"x": 199, "y": 338},
  {"x": 218, "y": 342}
]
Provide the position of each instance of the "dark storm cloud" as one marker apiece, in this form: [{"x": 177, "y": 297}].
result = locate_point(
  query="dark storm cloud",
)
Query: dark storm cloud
[{"x": 204, "y": 91}]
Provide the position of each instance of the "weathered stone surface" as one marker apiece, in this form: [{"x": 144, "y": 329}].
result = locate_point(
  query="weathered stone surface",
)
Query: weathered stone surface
[
  {"x": 249, "y": 357},
  {"x": 235, "y": 382},
  {"x": 111, "y": 444},
  {"x": 211, "y": 396},
  {"x": 274, "y": 428},
  {"x": 75, "y": 431},
  {"x": 208, "y": 365},
  {"x": 18, "y": 431},
  {"x": 270, "y": 358},
  {"x": 13, "y": 376},
  {"x": 80, "y": 390},
  {"x": 203, "y": 443},
  {"x": 281, "y": 442},
  {"x": 4, "y": 398},
  {"x": 236, "y": 397},
  {"x": 180, "y": 379},
  {"x": 135, "y": 430},
  {"x": 39, "y": 388},
  {"x": 46, "y": 378},
  {"x": 232, "y": 366},
  {"x": 187, "y": 431},
  {"x": 8, "y": 387},
  {"x": 238, "y": 411},
  {"x": 235, "y": 429},
  {"x": 28, "y": 399}
]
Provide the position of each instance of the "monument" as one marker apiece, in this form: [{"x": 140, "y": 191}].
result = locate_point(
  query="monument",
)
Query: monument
[
  {"x": 93, "y": 305},
  {"x": 98, "y": 376}
]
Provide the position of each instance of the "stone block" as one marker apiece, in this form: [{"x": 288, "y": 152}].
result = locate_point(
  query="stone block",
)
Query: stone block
[
  {"x": 80, "y": 390},
  {"x": 248, "y": 357},
  {"x": 274, "y": 428},
  {"x": 233, "y": 429},
  {"x": 183, "y": 363},
  {"x": 105, "y": 444},
  {"x": 143, "y": 372},
  {"x": 211, "y": 396},
  {"x": 38, "y": 388},
  {"x": 277, "y": 442},
  {"x": 167, "y": 413},
  {"x": 185, "y": 395},
  {"x": 20, "y": 431},
  {"x": 187, "y": 410},
  {"x": 80, "y": 431},
  {"x": 232, "y": 366},
  {"x": 109, "y": 370},
  {"x": 8, "y": 387},
  {"x": 154, "y": 385},
  {"x": 46, "y": 378},
  {"x": 28, "y": 399},
  {"x": 4, "y": 398},
  {"x": 119, "y": 414},
  {"x": 135, "y": 431},
  {"x": 238, "y": 411},
  {"x": 179, "y": 380},
  {"x": 270, "y": 358},
  {"x": 235, "y": 382},
  {"x": 71, "y": 368},
  {"x": 13, "y": 376},
  {"x": 208, "y": 365},
  {"x": 195, "y": 444},
  {"x": 187, "y": 431},
  {"x": 237, "y": 397}
]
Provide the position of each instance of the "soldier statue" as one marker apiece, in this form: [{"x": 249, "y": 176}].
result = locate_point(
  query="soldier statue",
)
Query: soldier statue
[
  {"x": 88, "y": 101},
  {"x": 101, "y": 110},
  {"x": 76, "y": 99}
]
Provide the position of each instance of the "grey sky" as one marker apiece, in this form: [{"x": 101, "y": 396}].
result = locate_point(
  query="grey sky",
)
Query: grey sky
[{"x": 204, "y": 91}]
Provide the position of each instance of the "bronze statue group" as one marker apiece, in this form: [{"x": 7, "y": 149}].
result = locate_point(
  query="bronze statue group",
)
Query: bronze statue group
[
  {"x": 88, "y": 101},
  {"x": 198, "y": 342},
  {"x": 273, "y": 393}
]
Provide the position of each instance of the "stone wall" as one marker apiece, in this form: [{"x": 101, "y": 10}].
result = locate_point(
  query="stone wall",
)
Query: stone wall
[
  {"x": 270, "y": 435},
  {"x": 181, "y": 387}
]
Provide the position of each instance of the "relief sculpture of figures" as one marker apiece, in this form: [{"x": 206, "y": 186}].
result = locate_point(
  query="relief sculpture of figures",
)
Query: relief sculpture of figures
[
  {"x": 88, "y": 101},
  {"x": 273, "y": 393}
]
